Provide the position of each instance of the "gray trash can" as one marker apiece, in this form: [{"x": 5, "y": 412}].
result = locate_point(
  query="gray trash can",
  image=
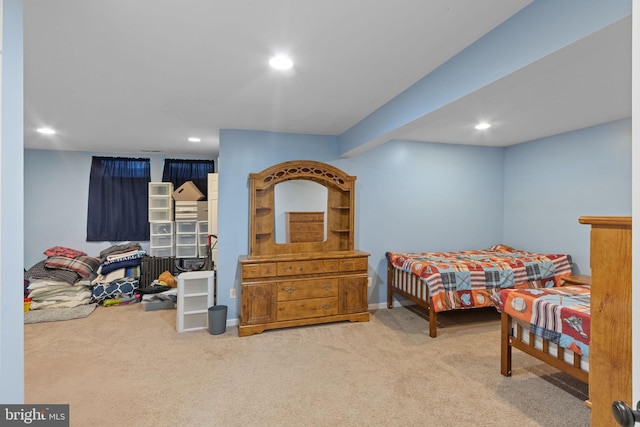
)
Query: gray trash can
[{"x": 217, "y": 319}]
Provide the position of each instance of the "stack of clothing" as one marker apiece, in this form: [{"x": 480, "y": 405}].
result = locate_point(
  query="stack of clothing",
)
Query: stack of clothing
[
  {"x": 119, "y": 272},
  {"x": 61, "y": 280}
]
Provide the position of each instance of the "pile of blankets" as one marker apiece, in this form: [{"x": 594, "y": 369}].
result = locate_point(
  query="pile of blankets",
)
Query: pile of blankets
[
  {"x": 60, "y": 280},
  {"x": 68, "y": 277},
  {"x": 119, "y": 272}
]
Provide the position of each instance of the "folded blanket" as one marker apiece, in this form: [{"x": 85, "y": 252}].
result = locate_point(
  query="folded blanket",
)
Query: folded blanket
[
  {"x": 58, "y": 304},
  {"x": 117, "y": 249},
  {"x": 126, "y": 255},
  {"x": 110, "y": 266},
  {"x": 60, "y": 293},
  {"x": 50, "y": 283},
  {"x": 120, "y": 273}
]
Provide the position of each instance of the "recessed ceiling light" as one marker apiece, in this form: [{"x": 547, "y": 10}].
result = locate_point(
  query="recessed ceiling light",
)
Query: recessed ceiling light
[
  {"x": 281, "y": 62},
  {"x": 483, "y": 125},
  {"x": 46, "y": 131},
  {"x": 193, "y": 139}
]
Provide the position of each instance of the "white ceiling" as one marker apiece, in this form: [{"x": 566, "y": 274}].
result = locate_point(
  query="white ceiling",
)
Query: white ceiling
[{"x": 124, "y": 76}]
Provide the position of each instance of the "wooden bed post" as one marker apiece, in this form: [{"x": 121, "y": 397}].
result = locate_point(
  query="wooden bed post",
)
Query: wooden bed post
[
  {"x": 505, "y": 351},
  {"x": 389, "y": 284},
  {"x": 433, "y": 324}
]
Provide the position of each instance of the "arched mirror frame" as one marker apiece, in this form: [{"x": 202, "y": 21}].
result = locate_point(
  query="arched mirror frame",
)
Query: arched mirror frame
[{"x": 340, "y": 208}]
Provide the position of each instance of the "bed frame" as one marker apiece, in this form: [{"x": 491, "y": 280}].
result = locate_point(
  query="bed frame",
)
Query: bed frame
[
  {"x": 412, "y": 288},
  {"x": 514, "y": 337}
]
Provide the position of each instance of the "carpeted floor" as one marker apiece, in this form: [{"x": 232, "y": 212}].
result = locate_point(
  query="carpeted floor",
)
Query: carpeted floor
[{"x": 122, "y": 366}]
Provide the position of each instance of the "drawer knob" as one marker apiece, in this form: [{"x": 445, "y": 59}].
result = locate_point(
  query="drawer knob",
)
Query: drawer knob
[
  {"x": 326, "y": 306},
  {"x": 290, "y": 289},
  {"x": 326, "y": 286}
]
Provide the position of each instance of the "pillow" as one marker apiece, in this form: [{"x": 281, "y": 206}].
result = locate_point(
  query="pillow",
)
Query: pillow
[
  {"x": 83, "y": 265},
  {"x": 502, "y": 248},
  {"x": 40, "y": 271},
  {"x": 121, "y": 287},
  {"x": 62, "y": 251}
]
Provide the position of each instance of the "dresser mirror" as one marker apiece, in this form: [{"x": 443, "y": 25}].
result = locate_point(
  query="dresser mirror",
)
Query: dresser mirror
[
  {"x": 299, "y": 196},
  {"x": 338, "y": 212}
]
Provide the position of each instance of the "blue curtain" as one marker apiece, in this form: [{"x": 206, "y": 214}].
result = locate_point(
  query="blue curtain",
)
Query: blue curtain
[
  {"x": 118, "y": 199},
  {"x": 180, "y": 171}
]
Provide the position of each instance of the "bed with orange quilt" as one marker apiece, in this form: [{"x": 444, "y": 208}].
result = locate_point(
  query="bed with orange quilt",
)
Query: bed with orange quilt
[
  {"x": 550, "y": 324},
  {"x": 442, "y": 281}
]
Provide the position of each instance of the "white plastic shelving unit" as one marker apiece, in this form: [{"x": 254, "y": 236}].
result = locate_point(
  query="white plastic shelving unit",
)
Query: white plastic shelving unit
[
  {"x": 203, "y": 237},
  {"x": 195, "y": 296},
  {"x": 162, "y": 239},
  {"x": 160, "y": 201},
  {"x": 186, "y": 239}
]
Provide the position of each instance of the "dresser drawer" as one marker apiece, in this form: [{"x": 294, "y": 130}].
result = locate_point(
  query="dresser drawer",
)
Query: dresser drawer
[
  {"x": 306, "y": 308},
  {"x": 306, "y": 227},
  {"x": 306, "y": 237},
  {"x": 250, "y": 271},
  {"x": 304, "y": 289},
  {"x": 305, "y": 217},
  {"x": 292, "y": 268},
  {"x": 354, "y": 264}
]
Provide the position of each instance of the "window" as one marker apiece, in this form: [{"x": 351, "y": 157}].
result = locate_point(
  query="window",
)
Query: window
[
  {"x": 180, "y": 171},
  {"x": 118, "y": 200}
]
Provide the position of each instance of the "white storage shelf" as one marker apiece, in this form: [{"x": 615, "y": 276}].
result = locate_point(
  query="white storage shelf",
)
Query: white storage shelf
[
  {"x": 195, "y": 296},
  {"x": 203, "y": 236},
  {"x": 186, "y": 226},
  {"x": 161, "y": 239},
  {"x": 186, "y": 239},
  {"x": 160, "y": 201}
]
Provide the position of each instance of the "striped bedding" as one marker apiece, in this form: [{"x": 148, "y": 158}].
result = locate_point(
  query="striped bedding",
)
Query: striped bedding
[
  {"x": 474, "y": 278},
  {"x": 561, "y": 315}
]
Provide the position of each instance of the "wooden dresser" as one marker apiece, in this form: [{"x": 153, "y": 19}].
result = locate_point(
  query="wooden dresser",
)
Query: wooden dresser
[
  {"x": 610, "y": 360},
  {"x": 311, "y": 278},
  {"x": 299, "y": 290}
]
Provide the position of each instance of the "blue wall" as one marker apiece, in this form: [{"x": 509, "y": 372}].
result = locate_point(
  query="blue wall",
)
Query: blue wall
[
  {"x": 551, "y": 182},
  {"x": 413, "y": 196},
  {"x": 11, "y": 197}
]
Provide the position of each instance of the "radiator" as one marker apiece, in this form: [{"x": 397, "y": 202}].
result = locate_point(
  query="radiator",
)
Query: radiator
[{"x": 152, "y": 267}]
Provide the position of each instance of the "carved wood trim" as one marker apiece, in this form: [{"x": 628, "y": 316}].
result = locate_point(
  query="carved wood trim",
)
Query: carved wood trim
[{"x": 303, "y": 169}]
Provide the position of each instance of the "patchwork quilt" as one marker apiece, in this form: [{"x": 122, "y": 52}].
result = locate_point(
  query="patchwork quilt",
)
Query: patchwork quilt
[
  {"x": 561, "y": 315},
  {"x": 474, "y": 278}
]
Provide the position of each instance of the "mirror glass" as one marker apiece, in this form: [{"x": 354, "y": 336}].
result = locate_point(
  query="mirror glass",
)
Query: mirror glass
[{"x": 300, "y": 195}]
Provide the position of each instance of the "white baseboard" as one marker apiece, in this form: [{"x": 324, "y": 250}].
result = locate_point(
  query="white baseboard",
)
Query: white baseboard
[{"x": 383, "y": 305}]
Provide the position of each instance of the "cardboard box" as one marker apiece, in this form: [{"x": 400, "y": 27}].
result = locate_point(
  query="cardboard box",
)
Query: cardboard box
[{"x": 188, "y": 192}]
